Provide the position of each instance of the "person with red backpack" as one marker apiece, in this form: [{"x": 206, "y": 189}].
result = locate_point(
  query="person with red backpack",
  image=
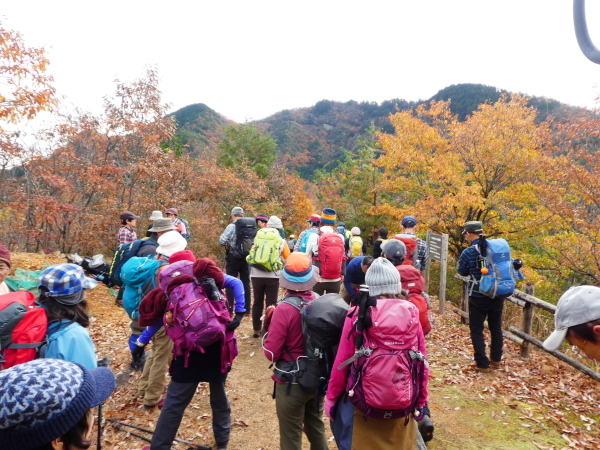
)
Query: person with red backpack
[
  {"x": 379, "y": 381},
  {"x": 5, "y": 264},
  {"x": 416, "y": 248}
]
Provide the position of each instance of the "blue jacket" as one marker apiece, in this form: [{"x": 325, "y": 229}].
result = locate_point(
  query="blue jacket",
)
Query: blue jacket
[
  {"x": 69, "y": 341},
  {"x": 354, "y": 274}
]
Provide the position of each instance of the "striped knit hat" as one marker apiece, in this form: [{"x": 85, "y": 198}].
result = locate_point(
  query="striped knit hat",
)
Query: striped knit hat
[
  {"x": 328, "y": 216},
  {"x": 383, "y": 278}
]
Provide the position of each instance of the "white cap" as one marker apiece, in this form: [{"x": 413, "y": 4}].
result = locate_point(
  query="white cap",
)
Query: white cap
[{"x": 579, "y": 304}]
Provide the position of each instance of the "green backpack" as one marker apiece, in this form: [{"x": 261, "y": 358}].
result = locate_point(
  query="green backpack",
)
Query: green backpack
[{"x": 264, "y": 254}]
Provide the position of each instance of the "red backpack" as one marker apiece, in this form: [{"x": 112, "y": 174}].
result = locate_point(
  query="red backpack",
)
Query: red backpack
[
  {"x": 414, "y": 283},
  {"x": 330, "y": 255},
  {"x": 412, "y": 249},
  {"x": 23, "y": 326}
]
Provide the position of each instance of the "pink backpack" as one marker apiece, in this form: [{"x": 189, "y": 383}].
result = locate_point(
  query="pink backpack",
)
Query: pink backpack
[
  {"x": 196, "y": 315},
  {"x": 386, "y": 378}
]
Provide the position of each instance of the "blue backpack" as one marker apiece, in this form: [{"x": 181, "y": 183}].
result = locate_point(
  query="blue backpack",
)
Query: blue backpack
[
  {"x": 501, "y": 278},
  {"x": 122, "y": 255},
  {"x": 304, "y": 241},
  {"x": 135, "y": 273}
]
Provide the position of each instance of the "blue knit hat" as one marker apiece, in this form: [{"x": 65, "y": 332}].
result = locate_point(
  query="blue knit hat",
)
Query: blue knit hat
[
  {"x": 328, "y": 216},
  {"x": 43, "y": 399}
]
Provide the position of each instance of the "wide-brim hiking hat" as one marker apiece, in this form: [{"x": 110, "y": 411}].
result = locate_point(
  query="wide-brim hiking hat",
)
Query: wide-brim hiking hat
[
  {"x": 579, "y": 304},
  {"x": 274, "y": 222},
  {"x": 328, "y": 216},
  {"x": 314, "y": 218},
  {"x": 128, "y": 215},
  {"x": 43, "y": 399},
  {"x": 170, "y": 242},
  {"x": 298, "y": 274},
  {"x": 162, "y": 224},
  {"x": 172, "y": 211},
  {"x": 409, "y": 222},
  {"x": 383, "y": 278},
  {"x": 5, "y": 255},
  {"x": 155, "y": 215},
  {"x": 473, "y": 226},
  {"x": 62, "y": 281}
]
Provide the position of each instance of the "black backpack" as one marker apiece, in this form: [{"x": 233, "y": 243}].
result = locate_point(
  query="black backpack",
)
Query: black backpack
[
  {"x": 245, "y": 232},
  {"x": 122, "y": 255}
]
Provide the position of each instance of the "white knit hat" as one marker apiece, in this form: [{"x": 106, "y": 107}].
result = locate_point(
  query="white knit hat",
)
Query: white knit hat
[
  {"x": 274, "y": 222},
  {"x": 383, "y": 278},
  {"x": 355, "y": 231},
  {"x": 170, "y": 242}
]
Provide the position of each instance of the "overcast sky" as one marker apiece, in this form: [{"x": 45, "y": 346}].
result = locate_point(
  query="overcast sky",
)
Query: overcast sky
[{"x": 250, "y": 59}]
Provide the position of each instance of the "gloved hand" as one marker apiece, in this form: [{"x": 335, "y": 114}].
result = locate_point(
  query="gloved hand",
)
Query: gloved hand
[
  {"x": 418, "y": 414},
  {"x": 517, "y": 263},
  {"x": 138, "y": 352},
  {"x": 329, "y": 408},
  {"x": 235, "y": 322}
]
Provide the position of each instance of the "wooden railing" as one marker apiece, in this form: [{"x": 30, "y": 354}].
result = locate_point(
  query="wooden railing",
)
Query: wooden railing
[{"x": 522, "y": 336}]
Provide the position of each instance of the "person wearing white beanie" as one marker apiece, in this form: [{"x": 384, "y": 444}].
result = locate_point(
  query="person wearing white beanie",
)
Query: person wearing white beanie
[
  {"x": 170, "y": 242},
  {"x": 383, "y": 278}
]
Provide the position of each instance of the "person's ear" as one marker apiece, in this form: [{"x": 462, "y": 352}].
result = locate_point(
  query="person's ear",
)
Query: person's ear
[
  {"x": 596, "y": 330},
  {"x": 58, "y": 444}
]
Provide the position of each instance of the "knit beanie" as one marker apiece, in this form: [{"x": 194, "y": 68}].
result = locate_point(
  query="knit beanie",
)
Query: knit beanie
[
  {"x": 394, "y": 250},
  {"x": 262, "y": 218},
  {"x": 170, "y": 242},
  {"x": 237, "y": 211},
  {"x": 5, "y": 255},
  {"x": 183, "y": 255},
  {"x": 355, "y": 231},
  {"x": 274, "y": 222},
  {"x": 382, "y": 278},
  {"x": 328, "y": 216},
  {"x": 42, "y": 399}
]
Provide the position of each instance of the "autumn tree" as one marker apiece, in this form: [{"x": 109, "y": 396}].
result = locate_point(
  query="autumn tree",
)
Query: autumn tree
[{"x": 245, "y": 145}]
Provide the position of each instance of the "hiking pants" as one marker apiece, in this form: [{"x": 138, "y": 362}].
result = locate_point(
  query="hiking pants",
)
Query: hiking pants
[
  {"x": 480, "y": 309},
  {"x": 327, "y": 287},
  {"x": 265, "y": 291},
  {"x": 154, "y": 376},
  {"x": 238, "y": 267},
  {"x": 297, "y": 411},
  {"x": 179, "y": 396}
]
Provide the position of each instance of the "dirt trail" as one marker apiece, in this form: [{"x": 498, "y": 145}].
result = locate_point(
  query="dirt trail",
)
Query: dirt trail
[{"x": 526, "y": 404}]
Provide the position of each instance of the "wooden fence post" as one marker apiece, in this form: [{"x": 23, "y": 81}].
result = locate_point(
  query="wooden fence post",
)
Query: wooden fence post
[{"x": 527, "y": 322}]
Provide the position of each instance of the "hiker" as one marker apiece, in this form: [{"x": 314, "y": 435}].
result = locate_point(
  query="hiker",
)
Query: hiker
[
  {"x": 326, "y": 248},
  {"x": 314, "y": 222},
  {"x": 416, "y": 247},
  {"x": 382, "y": 238},
  {"x": 62, "y": 293},
  {"x": 577, "y": 320},
  {"x": 126, "y": 233},
  {"x": 47, "y": 404},
  {"x": 236, "y": 252},
  {"x": 180, "y": 225},
  {"x": 291, "y": 242},
  {"x": 481, "y": 307},
  {"x": 261, "y": 221},
  {"x": 297, "y": 410},
  {"x": 355, "y": 428},
  {"x": 341, "y": 228},
  {"x": 266, "y": 259},
  {"x": 5, "y": 265},
  {"x": 155, "y": 215},
  {"x": 355, "y": 277},
  {"x": 355, "y": 245},
  {"x": 275, "y": 222},
  {"x": 191, "y": 367}
]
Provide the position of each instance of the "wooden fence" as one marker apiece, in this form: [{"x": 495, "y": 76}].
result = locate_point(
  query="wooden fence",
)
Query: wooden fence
[{"x": 522, "y": 336}]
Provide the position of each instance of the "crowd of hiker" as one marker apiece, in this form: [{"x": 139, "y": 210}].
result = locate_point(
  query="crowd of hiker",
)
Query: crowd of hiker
[{"x": 344, "y": 331}]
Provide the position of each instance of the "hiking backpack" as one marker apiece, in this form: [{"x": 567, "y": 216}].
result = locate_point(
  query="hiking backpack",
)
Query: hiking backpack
[
  {"x": 412, "y": 249},
  {"x": 265, "y": 252},
  {"x": 322, "y": 324},
  {"x": 122, "y": 255},
  {"x": 330, "y": 255},
  {"x": 135, "y": 273},
  {"x": 500, "y": 280},
  {"x": 355, "y": 243},
  {"x": 245, "y": 232},
  {"x": 23, "y": 326},
  {"x": 304, "y": 240},
  {"x": 188, "y": 232},
  {"x": 196, "y": 315},
  {"x": 388, "y": 370}
]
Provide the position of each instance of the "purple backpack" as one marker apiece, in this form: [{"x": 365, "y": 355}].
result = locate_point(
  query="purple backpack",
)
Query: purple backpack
[
  {"x": 385, "y": 380},
  {"x": 196, "y": 315}
]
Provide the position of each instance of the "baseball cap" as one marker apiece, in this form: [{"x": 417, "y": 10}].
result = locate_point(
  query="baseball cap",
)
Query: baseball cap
[
  {"x": 409, "y": 222},
  {"x": 62, "y": 280},
  {"x": 171, "y": 211},
  {"x": 128, "y": 215},
  {"x": 314, "y": 218},
  {"x": 579, "y": 304}
]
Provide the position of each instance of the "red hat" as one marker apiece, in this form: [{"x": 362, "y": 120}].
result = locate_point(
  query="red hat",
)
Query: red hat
[
  {"x": 183, "y": 255},
  {"x": 314, "y": 218},
  {"x": 5, "y": 255}
]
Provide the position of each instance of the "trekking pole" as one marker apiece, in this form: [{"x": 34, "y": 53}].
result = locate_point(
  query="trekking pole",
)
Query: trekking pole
[
  {"x": 120, "y": 424},
  {"x": 99, "y": 443}
]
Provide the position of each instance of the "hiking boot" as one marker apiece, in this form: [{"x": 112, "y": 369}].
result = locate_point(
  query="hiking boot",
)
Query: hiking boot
[
  {"x": 496, "y": 364},
  {"x": 221, "y": 446},
  {"x": 426, "y": 428},
  {"x": 256, "y": 334},
  {"x": 138, "y": 363},
  {"x": 483, "y": 369}
]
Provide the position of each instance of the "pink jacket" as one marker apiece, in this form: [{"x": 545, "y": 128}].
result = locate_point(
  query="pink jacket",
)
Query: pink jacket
[{"x": 339, "y": 378}]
